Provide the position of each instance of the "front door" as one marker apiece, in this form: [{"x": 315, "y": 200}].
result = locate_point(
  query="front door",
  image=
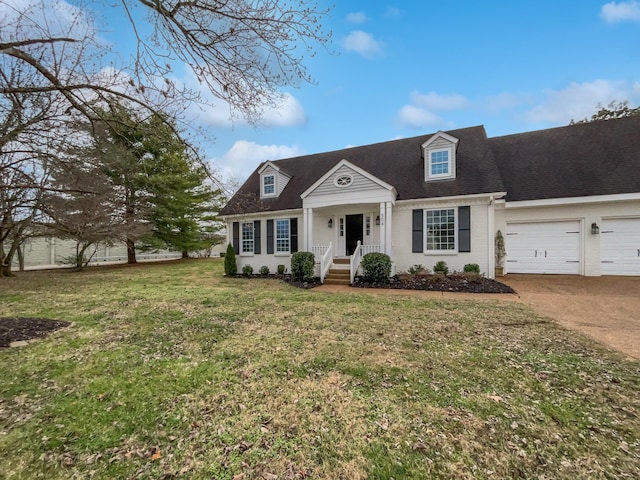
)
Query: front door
[{"x": 353, "y": 227}]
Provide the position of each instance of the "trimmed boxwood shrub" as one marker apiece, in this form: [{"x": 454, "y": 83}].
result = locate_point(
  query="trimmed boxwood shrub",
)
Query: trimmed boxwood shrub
[
  {"x": 247, "y": 270},
  {"x": 376, "y": 267},
  {"x": 264, "y": 270},
  {"x": 472, "y": 267},
  {"x": 302, "y": 264},
  {"x": 281, "y": 269},
  {"x": 230, "y": 267}
]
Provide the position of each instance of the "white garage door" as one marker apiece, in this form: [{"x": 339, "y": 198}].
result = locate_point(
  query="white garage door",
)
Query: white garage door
[
  {"x": 544, "y": 247},
  {"x": 620, "y": 246}
]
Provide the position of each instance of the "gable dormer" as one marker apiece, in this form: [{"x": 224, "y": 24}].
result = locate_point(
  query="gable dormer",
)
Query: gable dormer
[
  {"x": 272, "y": 180},
  {"x": 439, "y": 153}
]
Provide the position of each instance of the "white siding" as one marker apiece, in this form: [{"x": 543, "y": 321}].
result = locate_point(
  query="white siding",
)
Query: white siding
[
  {"x": 281, "y": 179},
  {"x": 586, "y": 214},
  {"x": 263, "y": 259},
  {"x": 360, "y": 184},
  {"x": 402, "y": 228}
]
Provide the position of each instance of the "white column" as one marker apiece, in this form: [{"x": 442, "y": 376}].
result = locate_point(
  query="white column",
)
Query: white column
[
  {"x": 307, "y": 221},
  {"x": 381, "y": 228},
  {"x": 387, "y": 228}
]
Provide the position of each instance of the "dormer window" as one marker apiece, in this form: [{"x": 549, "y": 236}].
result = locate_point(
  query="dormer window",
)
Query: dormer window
[
  {"x": 268, "y": 185},
  {"x": 439, "y": 163},
  {"x": 273, "y": 180},
  {"x": 439, "y": 154}
]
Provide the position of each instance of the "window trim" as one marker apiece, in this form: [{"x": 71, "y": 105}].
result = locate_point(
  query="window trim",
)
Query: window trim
[
  {"x": 242, "y": 239},
  {"x": 451, "y": 163},
  {"x": 263, "y": 177},
  {"x": 428, "y": 251},
  {"x": 275, "y": 237}
]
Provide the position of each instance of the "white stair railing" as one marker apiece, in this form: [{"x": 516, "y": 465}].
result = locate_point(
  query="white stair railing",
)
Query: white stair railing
[
  {"x": 319, "y": 251},
  {"x": 325, "y": 262},
  {"x": 354, "y": 262},
  {"x": 370, "y": 249}
]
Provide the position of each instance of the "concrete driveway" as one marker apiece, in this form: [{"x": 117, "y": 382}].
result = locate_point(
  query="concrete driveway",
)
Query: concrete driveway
[{"x": 605, "y": 308}]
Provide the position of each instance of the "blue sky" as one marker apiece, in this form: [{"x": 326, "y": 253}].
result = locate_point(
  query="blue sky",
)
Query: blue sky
[{"x": 400, "y": 69}]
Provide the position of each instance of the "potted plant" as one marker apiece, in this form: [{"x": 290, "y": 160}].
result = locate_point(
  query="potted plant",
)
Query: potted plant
[{"x": 501, "y": 253}]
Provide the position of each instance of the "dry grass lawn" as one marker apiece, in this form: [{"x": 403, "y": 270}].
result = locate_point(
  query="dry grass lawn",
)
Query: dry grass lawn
[{"x": 173, "y": 371}]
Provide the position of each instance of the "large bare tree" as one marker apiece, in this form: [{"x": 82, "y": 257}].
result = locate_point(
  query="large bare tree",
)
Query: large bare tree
[
  {"x": 54, "y": 67},
  {"x": 244, "y": 51}
]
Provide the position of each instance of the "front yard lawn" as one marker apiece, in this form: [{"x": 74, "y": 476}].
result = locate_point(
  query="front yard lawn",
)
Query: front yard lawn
[{"x": 173, "y": 371}]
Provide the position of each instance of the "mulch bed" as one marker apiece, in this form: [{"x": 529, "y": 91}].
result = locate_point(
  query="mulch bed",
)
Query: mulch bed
[
  {"x": 440, "y": 283},
  {"x": 15, "y": 329}
]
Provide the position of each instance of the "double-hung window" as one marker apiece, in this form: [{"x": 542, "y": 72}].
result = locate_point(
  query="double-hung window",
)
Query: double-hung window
[
  {"x": 268, "y": 185},
  {"x": 440, "y": 164},
  {"x": 282, "y": 236},
  {"x": 440, "y": 228},
  {"x": 247, "y": 242}
]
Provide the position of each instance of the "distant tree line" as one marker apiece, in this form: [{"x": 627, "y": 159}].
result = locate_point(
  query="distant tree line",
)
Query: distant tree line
[
  {"x": 614, "y": 110},
  {"x": 124, "y": 179}
]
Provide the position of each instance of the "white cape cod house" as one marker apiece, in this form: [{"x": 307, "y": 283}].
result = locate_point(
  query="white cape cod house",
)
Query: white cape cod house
[{"x": 566, "y": 199}]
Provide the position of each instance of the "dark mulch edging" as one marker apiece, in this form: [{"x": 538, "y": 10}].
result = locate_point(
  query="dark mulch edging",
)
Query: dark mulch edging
[
  {"x": 438, "y": 283},
  {"x": 311, "y": 283},
  {"x": 15, "y": 329},
  {"x": 435, "y": 283}
]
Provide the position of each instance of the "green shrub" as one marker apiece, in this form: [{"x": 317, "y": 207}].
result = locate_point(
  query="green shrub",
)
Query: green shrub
[
  {"x": 302, "y": 265},
  {"x": 472, "y": 267},
  {"x": 419, "y": 270},
  {"x": 230, "y": 267},
  {"x": 376, "y": 267},
  {"x": 247, "y": 270},
  {"x": 264, "y": 270},
  {"x": 281, "y": 269},
  {"x": 441, "y": 267}
]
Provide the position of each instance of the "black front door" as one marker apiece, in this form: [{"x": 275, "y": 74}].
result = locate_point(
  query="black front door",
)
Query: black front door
[{"x": 353, "y": 224}]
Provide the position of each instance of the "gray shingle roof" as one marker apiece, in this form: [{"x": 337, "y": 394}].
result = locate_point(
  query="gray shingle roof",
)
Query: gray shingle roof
[
  {"x": 398, "y": 163},
  {"x": 598, "y": 158}
]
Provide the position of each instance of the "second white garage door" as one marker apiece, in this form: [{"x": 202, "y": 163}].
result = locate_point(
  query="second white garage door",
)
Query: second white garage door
[
  {"x": 544, "y": 247},
  {"x": 620, "y": 246}
]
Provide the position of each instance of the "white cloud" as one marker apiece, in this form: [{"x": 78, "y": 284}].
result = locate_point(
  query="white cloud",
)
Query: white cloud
[
  {"x": 356, "y": 17},
  {"x": 581, "y": 100},
  {"x": 244, "y": 156},
  {"x": 434, "y": 101},
  {"x": 421, "y": 111},
  {"x": 613, "y": 12},
  {"x": 362, "y": 43}
]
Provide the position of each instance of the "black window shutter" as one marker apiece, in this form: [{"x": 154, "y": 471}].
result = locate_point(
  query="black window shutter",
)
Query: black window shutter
[
  {"x": 256, "y": 237},
  {"x": 464, "y": 229},
  {"x": 293, "y": 227},
  {"x": 269, "y": 236},
  {"x": 417, "y": 238},
  {"x": 236, "y": 237}
]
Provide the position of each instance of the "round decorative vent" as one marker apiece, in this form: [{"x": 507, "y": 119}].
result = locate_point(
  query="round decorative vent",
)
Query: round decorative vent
[{"x": 343, "y": 181}]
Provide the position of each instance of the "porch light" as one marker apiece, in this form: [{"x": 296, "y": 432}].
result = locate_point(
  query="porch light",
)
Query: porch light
[
  {"x": 595, "y": 229},
  {"x": 378, "y": 220},
  {"x": 330, "y": 224}
]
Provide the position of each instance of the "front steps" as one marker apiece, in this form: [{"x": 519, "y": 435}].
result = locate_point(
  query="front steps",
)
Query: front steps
[{"x": 339, "y": 272}]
